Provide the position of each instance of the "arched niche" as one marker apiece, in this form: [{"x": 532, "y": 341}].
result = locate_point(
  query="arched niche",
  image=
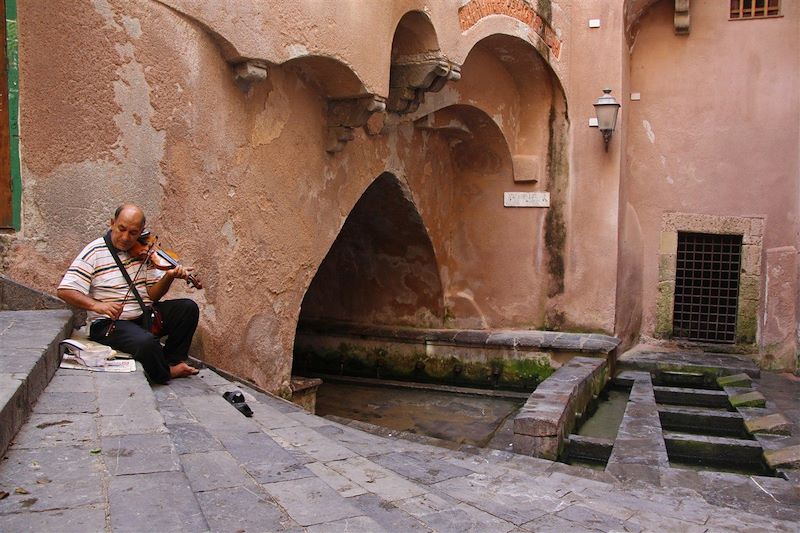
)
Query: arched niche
[
  {"x": 414, "y": 36},
  {"x": 517, "y": 83},
  {"x": 477, "y": 145},
  {"x": 333, "y": 79},
  {"x": 381, "y": 269},
  {"x": 491, "y": 257},
  {"x": 417, "y": 64}
]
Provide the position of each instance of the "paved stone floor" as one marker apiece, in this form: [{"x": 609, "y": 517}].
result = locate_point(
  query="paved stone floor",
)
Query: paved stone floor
[{"x": 108, "y": 452}]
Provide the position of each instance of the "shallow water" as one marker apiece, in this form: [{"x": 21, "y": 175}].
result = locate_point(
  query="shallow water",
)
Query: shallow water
[
  {"x": 604, "y": 423},
  {"x": 464, "y": 419}
]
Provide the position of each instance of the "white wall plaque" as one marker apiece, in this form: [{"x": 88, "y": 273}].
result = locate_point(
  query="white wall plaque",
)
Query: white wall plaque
[{"x": 526, "y": 199}]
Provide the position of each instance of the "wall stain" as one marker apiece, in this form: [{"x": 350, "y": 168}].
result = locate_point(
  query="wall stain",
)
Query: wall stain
[{"x": 555, "y": 235}]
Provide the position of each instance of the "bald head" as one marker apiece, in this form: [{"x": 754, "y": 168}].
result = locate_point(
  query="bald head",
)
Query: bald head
[
  {"x": 132, "y": 209},
  {"x": 126, "y": 226}
]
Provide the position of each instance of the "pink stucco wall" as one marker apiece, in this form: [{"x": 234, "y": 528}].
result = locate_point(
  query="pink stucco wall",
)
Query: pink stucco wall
[
  {"x": 716, "y": 130},
  {"x": 136, "y": 101}
]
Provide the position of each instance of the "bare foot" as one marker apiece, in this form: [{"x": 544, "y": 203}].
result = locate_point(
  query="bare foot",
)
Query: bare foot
[{"x": 182, "y": 370}]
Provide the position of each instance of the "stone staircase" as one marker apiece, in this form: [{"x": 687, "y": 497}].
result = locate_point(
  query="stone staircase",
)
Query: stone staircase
[
  {"x": 109, "y": 452},
  {"x": 31, "y": 326}
]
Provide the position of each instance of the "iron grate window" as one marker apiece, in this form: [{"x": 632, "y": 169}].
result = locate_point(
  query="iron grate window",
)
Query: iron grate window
[
  {"x": 707, "y": 287},
  {"x": 747, "y": 9}
]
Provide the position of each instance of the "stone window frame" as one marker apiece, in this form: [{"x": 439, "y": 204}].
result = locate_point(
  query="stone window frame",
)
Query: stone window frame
[{"x": 751, "y": 228}]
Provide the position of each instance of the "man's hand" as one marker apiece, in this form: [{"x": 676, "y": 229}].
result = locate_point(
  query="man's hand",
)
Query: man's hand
[
  {"x": 110, "y": 309},
  {"x": 157, "y": 291},
  {"x": 83, "y": 301},
  {"x": 179, "y": 272}
]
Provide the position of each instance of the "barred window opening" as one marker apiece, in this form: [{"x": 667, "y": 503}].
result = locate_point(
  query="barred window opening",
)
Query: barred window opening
[
  {"x": 707, "y": 287},
  {"x": 748, "y": 9}
]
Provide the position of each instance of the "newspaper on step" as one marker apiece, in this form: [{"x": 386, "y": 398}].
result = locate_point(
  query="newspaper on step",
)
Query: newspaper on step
[{"x": 93, "y": 356}]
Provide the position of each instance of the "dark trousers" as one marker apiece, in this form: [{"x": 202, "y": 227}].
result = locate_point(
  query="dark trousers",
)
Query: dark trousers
[{"x": 180, "y": 321}]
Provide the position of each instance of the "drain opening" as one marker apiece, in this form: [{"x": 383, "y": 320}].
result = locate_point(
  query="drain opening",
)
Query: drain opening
[{"x": 707, "y": 287}]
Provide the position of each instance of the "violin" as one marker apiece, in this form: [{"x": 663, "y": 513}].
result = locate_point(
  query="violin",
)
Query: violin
[{"x": 147, "y": 246}]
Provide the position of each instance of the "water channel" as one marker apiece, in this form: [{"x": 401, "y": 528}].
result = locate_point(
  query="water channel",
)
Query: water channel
[{"x": 484, "y": 421}]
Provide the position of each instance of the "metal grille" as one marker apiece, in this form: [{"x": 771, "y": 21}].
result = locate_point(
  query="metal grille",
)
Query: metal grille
[
  {"x": 755, "y": 8},
  {"x": 707, "y": 287}
]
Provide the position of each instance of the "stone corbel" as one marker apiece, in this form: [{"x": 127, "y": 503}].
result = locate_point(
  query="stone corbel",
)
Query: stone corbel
[
  {"x": 412, "y": 78},
  {"x": 249, "y": 72},
  {"x": 682, "y": 17},
  {"x": 344, "y": 115}
]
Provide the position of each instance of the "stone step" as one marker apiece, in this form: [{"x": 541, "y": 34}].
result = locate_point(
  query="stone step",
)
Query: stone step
[
  {"x": 707, "y": 448},
  {"x": 694, "y": 397},
  {"x": 101, "y": 456},
  {"x": 29, "y": 356},
  {"x": 711, "y": 364},
  {"x": 701, "y": 419}
]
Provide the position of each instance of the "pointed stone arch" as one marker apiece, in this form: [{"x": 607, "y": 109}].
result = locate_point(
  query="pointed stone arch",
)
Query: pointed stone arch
[{"x": 381, "y": 268}]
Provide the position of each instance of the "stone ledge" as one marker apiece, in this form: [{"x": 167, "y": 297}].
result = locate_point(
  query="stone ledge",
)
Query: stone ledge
[
  {"x": 639, "y": 438},
  {"x": 785, "y": 458},
  {"x": 736, "y": 380},
  {"x": 748, "y": 399},
  {"x": 515, "y": 338},
  {"x": 775, "y": 424},
  {"x": 543, "y": 423},
  {"x": 15, "y": 296},
  {"x": 713, "y": 364}
]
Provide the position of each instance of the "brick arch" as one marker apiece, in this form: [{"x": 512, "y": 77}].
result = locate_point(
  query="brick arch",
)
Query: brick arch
[{"x": 538, "y": 19}]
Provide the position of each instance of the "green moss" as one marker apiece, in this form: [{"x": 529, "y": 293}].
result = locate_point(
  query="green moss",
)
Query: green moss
[
  {"x": 285, "y": 393},
  {"x": 664, "y": 305},
  {"x": 748, "y": 399},
  {"x": 529, "y": 372},
  {"x": 747, "y": 322},
  {"x": 383, "y": 363}
]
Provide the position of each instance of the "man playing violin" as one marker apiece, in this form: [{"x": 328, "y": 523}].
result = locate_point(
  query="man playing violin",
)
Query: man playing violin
[{"x": 95, "y": 282}]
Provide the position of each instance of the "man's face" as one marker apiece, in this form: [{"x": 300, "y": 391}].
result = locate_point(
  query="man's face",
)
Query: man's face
[{"x": 126, "y": 228}]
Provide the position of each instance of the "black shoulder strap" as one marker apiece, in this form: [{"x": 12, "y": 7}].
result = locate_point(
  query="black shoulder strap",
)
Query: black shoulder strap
[{"x": 110, "y": 245}]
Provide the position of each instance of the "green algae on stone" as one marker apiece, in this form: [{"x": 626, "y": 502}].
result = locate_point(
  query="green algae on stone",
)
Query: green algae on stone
[
  {"x": 737, "y": 380},
  {"x": 523, "y": 371},
  {"x": 664, "y": 305},
  {"x": 748, "y": 399},
  {"x": 382, "y": 363}
]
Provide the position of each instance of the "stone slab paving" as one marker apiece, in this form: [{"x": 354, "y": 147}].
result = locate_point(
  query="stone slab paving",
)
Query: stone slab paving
[{"x": 108, "y": 452}]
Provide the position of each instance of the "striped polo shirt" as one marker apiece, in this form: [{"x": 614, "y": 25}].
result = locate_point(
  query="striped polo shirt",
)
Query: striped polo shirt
[{"x": 95, "y": 273}]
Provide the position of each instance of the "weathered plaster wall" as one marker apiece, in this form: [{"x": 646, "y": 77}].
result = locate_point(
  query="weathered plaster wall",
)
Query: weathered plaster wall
[
  {"x": 715, "y": 131},
  {"x": 591, "y": 199},
  {"x": 141, "y": 106}
]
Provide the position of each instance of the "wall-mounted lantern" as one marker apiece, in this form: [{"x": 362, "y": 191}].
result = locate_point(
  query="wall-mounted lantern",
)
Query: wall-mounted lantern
[{"x": 606, "y": 109}]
